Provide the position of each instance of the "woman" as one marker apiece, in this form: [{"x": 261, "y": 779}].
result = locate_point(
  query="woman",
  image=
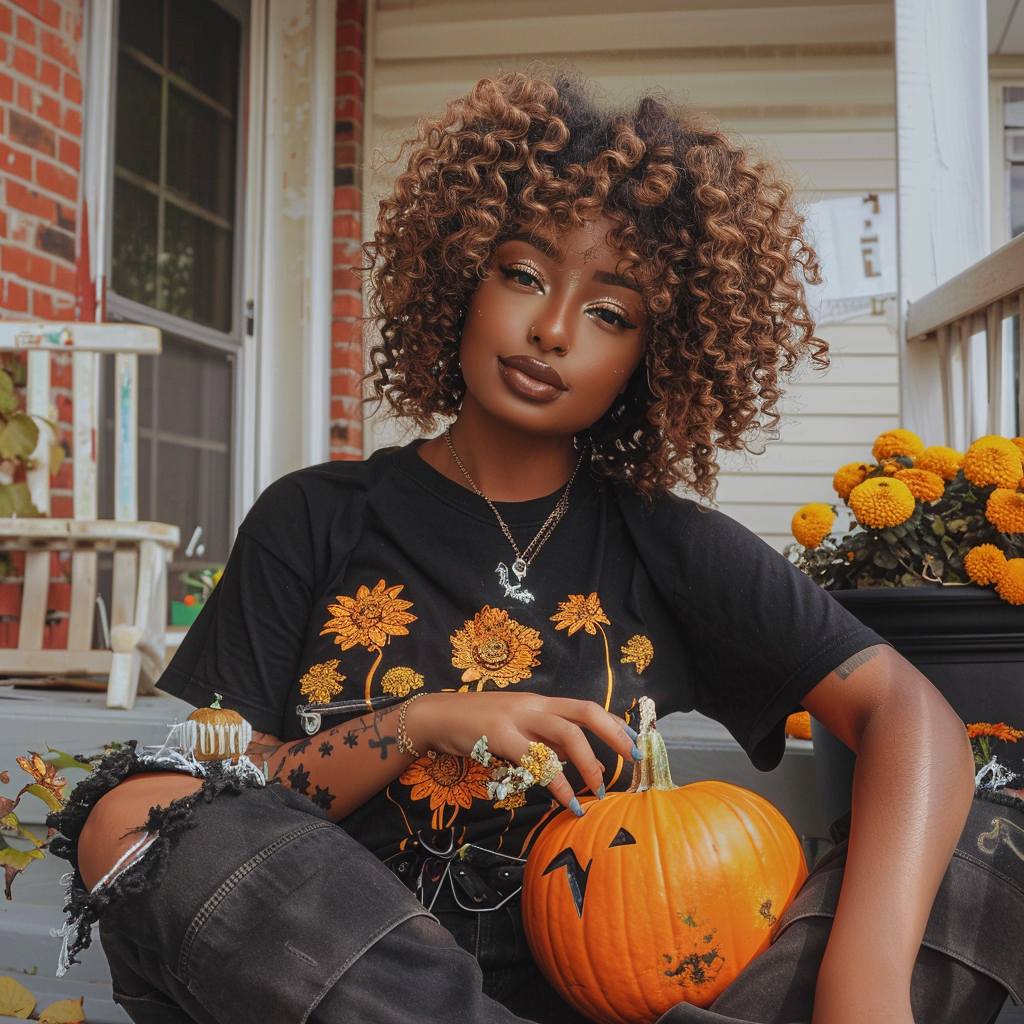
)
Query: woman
[{"x": 599, "y": 302}]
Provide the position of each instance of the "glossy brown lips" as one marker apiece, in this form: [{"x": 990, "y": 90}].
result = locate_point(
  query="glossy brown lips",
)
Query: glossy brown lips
[{"x": 531, "y": 378}]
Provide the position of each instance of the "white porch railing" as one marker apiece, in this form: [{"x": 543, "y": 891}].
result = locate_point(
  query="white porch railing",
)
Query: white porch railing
[{"x": 975, "y": 319}]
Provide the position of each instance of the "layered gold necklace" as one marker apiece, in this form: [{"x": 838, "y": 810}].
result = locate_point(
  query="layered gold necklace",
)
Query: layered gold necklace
[{"x": 523, "y": 558}]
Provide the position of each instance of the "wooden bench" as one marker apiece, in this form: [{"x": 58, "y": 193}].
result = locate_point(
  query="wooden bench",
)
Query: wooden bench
[{"x": 141, "y": 550}]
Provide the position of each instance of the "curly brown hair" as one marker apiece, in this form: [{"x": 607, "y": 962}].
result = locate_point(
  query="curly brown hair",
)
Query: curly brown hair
[{"x": 708, "y": 233}]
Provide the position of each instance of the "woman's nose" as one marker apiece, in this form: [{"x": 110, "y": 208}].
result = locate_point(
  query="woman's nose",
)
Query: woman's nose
[{"x": 550, "y": 335}]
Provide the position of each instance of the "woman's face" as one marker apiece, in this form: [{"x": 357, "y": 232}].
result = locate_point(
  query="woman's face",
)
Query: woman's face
[{"x": 552, "y": 335}]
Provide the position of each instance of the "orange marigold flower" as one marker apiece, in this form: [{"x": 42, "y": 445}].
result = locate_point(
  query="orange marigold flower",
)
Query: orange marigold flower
[
  {"x": 882, "y": 502},
  {"x": 940, "y": 460},
  {"x": 847, "y": 477},
  {"x": 892, "y": 468},
  {"x": 798, "y": 725},
  {"x": 813, "y": 523},
  {"x": 923, "y": 484},
  {"x": 1005, "y": 510},
  {"x": 1018, "y": 442},
  {"x": 992, "y": 460},
  {"x": 1011, "y": 584},
  {"x": 985, "y": 563},
  {"x": 897, "y": 442},
  {"x": 1000, "y": 731}
]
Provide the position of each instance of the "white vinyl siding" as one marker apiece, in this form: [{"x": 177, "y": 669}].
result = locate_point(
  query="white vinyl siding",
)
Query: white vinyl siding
[{"x": 810, "y": 85}]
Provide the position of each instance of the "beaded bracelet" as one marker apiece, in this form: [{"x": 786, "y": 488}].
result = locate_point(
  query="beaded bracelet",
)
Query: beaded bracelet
[{"x": 404, "y": 744}]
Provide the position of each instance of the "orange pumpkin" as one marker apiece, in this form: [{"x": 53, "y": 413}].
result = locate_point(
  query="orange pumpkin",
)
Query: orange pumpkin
[{"x": 659, "y": 895}]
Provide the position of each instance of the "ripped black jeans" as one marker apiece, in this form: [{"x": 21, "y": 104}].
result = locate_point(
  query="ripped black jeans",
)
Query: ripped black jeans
[{"x": 258, "y": 907}]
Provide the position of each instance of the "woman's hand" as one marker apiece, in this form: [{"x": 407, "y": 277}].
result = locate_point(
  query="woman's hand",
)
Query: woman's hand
[{"x": 453, "y": 722}]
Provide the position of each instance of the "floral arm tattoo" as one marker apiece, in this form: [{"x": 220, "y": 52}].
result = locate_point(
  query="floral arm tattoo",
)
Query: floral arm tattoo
[{"x": 306, "y": 765}]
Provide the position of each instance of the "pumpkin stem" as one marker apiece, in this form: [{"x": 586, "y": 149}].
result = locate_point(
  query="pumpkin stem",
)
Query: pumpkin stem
[
  {"x": 217, "y": 698},
  {"x": 652, "y": 770}
]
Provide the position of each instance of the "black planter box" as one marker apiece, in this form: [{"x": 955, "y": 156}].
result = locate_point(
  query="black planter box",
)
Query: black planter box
[{"x": 967, "y": 640}]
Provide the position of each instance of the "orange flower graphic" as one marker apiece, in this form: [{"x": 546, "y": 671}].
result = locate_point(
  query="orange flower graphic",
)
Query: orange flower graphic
[
  {"x": 371, "y": 618},
  {"x": 322, "y": 682},
  {"x": 579, "y": 612},
  {"x": 449, "y": 781},
  {"x": 491, "y": 646},
  {"x": 638, "y": 651}
]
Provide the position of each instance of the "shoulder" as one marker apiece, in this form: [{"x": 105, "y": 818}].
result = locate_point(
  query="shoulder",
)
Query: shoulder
[
  {"x": 311, "y": 518},
  {"x": 327, "y": 490},
  {"x": 685, "y": 526}
]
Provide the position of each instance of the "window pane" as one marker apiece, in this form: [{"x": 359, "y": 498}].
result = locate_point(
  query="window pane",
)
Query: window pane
[
  {"x": 1013, "y": 107},
  {"x": 1016, "y": 199},
  {"x": 135, "y": 243},
  {"x": 200, "y": 153},
  {"x": 195, "y": 269},
  {"x": 203, "y": 48},
  {"x": 141, "y": 24},
  {"x": 184, "y": 451},
  {"x": 137, "y": 145}
]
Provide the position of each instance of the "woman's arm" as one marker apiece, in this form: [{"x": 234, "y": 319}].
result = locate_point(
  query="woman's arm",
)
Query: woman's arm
[
  {"x": 341, "y": 768},
  {"x": 912, "y": 790}
]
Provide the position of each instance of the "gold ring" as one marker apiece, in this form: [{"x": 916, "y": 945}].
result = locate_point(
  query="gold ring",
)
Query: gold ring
[{"x": 542, "y": 763}]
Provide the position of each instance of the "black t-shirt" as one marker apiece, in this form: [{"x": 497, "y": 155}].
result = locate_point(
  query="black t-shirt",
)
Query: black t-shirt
[{"x": 381, "y": 578}]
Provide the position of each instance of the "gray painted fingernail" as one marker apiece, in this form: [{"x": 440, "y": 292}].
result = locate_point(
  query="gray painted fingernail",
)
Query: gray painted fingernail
[
  {"x": 631, "y": 733},
  {"x": 600, "y": 792},
  {"x": 574, "y": 806},
  {"x": 637, "y": 754}
]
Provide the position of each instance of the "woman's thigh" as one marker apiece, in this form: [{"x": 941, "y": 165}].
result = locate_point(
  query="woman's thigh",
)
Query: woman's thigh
[{"x": 267, "y": 911}]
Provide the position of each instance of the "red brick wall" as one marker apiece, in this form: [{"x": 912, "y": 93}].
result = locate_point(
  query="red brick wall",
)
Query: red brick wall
[
  {"x": 40, "y": 158},
  {"x": 40, "y": 155},
  {"x": 347, "y": 303}
]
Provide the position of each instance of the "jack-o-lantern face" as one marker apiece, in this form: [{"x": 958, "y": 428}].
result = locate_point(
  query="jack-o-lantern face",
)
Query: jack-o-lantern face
[
  {"x": 577, "y": 875},
  {"x": 675, "y": 884}
]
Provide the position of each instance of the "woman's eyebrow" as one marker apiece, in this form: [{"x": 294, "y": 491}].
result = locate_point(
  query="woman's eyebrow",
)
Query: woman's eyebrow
[
  {"x": 538, "y": 243},
  {"x": 603, "y": 277}
]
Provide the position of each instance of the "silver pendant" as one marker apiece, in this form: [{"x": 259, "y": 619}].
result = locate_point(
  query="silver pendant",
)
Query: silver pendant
[
  {"x": 519, "y": 568},
  {"x": 516, "y": 590}
]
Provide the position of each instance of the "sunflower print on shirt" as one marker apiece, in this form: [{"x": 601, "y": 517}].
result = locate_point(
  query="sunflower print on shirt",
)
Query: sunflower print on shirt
[
  {"x": 493, "y": 648},
  {"x": 448, "y": 781},
  {"x": 371, "y": 619}
]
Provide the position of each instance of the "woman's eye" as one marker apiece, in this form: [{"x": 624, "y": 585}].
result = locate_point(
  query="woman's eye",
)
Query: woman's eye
[
  {"x": 520, "y": 275},
  {"x": 612, "y": 317}
]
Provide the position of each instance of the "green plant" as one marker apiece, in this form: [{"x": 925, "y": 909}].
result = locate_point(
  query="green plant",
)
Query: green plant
[{"x": 19, "y": 436}]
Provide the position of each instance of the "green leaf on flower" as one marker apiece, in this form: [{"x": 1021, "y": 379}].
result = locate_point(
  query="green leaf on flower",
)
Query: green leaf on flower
[
  {"x": 49, "y": 798},
  {"x": 884, "y": 559},
  {"x": 889, "y": 537},
  {"x": 61, "y": 760}
]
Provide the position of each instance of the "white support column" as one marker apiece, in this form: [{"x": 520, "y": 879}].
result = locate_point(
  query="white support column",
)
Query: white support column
[
  {"x": 942, "y": 153},
  {"x": 292, "y": 282}
]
